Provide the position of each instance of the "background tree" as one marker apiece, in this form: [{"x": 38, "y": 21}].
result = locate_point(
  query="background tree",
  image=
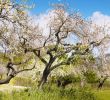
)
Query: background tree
[{"x": 13, "y": 19}]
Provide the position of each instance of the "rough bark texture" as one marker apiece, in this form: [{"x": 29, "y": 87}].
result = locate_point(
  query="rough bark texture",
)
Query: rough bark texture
[
  {"x": 44, "y": 78},
  {"x": 7, "y": 80}
]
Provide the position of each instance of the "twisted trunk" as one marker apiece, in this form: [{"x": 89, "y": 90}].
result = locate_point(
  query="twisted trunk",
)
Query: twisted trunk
[
  {"x": 7, "y": 80},
  {"x": 13, "y": 73},
  {"x": 43, "y": 80}
]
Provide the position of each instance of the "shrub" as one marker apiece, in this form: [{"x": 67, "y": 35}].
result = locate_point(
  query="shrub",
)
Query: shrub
[
  {"x": 65, "y": 80},
  {"x": 91, "y": 76}
]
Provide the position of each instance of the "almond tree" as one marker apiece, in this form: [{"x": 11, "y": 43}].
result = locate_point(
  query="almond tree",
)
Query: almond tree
[
  {"x": 54, "y": 44},
  {"x": 19, "y": 34}
]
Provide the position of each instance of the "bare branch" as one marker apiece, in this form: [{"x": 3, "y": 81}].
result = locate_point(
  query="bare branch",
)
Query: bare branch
[
  {"x": 7, "y": 80},
  {"x": 28, "y": 69},
  {"x": 57, "y": 65},
  {"x": 39, "y": 56}
]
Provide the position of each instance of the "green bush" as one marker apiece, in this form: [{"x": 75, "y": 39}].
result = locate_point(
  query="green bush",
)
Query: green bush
[
  {"x": 73, "y": 78},
  {"x": 70, "y": 77},
  {"x": 91, "y": 76}
]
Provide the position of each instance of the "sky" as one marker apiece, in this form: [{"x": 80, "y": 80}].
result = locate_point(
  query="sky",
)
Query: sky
[{"x": 85, "y": 7}]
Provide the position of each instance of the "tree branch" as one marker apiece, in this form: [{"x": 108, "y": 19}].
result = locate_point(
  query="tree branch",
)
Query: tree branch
[
  {"x": 21, "y": 62},
  {"x": 7, "y": 80},
  {"x": 39, "y": 56},
  {"x": 57, "y": 65},
  {"x": 26, "y": 69}
]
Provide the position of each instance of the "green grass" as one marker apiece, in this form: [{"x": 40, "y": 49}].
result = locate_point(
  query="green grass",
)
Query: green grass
[
  {"x": 103, "y": 94},
  {"x": 49, "y": 93},
  {"x": 9, "y": 88},
  {"x": 9, "y": 92}
]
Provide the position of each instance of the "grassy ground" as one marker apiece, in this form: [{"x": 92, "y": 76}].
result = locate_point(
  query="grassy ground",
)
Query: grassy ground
[
  {"x": 48, "y": 93},
  {"x": 103, "y": 94},
  {"x": 9, "y": 88},
  {"x": 9, "y": 92}
]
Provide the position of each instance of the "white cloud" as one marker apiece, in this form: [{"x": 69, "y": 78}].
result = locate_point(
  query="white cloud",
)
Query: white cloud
[
  {"x": 42, "y": 21},
  {"x": 100, "y": 18}
]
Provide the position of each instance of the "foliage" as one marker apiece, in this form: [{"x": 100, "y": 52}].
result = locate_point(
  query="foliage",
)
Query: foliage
[
  {"x": 3, "y": 58},
  {"x": 91, "y": 76},
  {"x": 70, "y": 77}
]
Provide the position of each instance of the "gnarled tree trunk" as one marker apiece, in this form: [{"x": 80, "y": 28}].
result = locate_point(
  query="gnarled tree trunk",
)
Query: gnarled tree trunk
[
  {"x": 7, "y": 80},
  {"x": 11, "y": 72},
  {"x": 43, "y": 80}
]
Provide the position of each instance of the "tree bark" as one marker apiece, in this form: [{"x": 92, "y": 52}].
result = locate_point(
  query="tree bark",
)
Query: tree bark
[
  {"x": 45, "y": 75},
  {"x": 7, "y": 80},
  {"x": 13, "y": 74}
]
